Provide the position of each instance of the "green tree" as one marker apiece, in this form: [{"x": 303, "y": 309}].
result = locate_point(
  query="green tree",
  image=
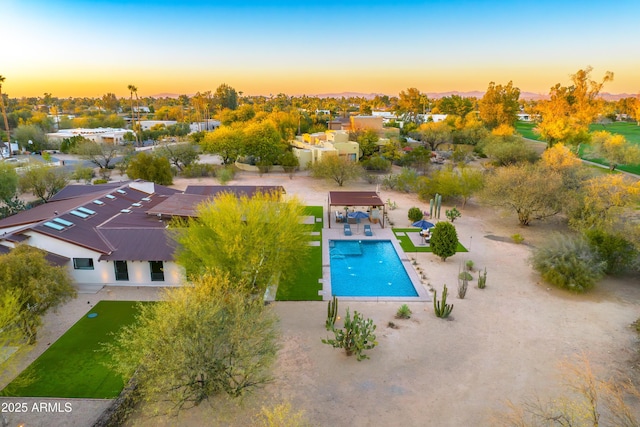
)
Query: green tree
[
  {"x": 507, "y": 150},
  {"x": 615, "y": 149},
  {"x": 336, "y": 168},
  {"x": 532, "y": 191},
  {"x": 434, "y": 134},
  {"x": 411, "y": 103},
  {"x": 368, "y": 143},
  {"x": 444, "y": 240},
  {"x": 289, "y": 162},
  {"x": 614, "y": 248},
  {"x": 150, "y": 168},
  {"x": 41, "y": 286},
  {"x": 226, "y": 141},
  {"x": 204, "y": 340},
  {"x": 8, "y": 182},
  {"x": 225, "y": 97},
  {"x": 263, "y": 141},
  {"x": 454, "y": 105},
  {"x": 30, "y": 132},
  {"x": 44, "y": 181},
  {"x": 179, "y": 155},
  {"x": 258, "y": 241},
  {"x": 133, "y": 89},
  {"x": 499, "y": 105}
]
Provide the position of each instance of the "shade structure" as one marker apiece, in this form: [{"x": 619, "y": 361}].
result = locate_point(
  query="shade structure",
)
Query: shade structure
[{"x": 423, "y": 223}]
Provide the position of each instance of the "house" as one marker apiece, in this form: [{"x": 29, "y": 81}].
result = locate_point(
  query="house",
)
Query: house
[
  {"x": 112, "y": 234},
  {"x": 99, "y": 135},
  {"x": 310, "y": 148}
]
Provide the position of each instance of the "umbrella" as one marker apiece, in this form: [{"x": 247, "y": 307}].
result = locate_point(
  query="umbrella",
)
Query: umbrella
[
  {"x": 423, "y": 223},
  {"x": 358, "y": 215}
]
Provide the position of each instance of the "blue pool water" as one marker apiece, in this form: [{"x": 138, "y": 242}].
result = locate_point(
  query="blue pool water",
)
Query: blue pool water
[{"x": 368, "y": 268}]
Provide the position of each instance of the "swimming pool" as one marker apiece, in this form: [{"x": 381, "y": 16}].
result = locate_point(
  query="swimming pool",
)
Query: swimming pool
[{"x": 368, "y": 268}]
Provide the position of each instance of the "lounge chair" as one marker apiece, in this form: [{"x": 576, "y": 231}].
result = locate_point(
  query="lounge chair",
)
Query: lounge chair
[
  {"x": 367, "y": 230},
  {"x": 347, "y": 230}
]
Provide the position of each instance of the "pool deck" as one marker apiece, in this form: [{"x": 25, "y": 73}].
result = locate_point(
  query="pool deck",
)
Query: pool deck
[{"x": 336, "y": 232}]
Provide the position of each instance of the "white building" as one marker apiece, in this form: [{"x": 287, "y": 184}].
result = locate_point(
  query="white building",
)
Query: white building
[{"x": 100, "y": 135}]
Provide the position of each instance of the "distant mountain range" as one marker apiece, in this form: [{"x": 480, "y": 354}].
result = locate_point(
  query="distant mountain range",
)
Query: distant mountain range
[{"x": 434, "y": 95}]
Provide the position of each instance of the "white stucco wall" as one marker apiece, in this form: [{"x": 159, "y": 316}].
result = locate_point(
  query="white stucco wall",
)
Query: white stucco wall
[{"x": 104, "y": 272}]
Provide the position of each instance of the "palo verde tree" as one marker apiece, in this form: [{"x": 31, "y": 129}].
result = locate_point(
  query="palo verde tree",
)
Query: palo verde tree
[
  {"x": 614, "y": 149},
  {"x": 226, "y": 141},
  {"x": 44, "y": 181},
  {"x": 179, "y": 155},
  {"x": 204, "y": 339},
  {"x": 150, "y": 168},
  {"x": 531, "y": 190},
  {"x": 257, "y": 240},
  {"x": 40, "y": 285},
  {"x": 338, "y": 169},
  {"x": 567, "y": 114}
]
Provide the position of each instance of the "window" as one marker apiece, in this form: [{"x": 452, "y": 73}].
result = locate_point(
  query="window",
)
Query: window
[
  {"x": 157, "y": 271},
  {"x": 83, "y": 263},
  {"x": 122, "y": 272}
]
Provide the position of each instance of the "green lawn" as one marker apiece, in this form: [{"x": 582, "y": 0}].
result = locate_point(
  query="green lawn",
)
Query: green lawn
[
  {"x": 73, "y": 366},
  {"x": 407, "y": 245},
  {"x": 304, "y": 285},
  {"x": 631, "y": 132}
]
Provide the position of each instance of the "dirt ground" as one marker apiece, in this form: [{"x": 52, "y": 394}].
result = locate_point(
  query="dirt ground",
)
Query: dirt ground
[{"x": 502, "y": 342}]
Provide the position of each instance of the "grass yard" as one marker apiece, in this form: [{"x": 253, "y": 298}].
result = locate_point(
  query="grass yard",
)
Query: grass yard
[
  {"x": 304, "y": 285},
  {"x": 526, "y": 130},
  {"x": 408, "y": 247},
  {"x": 73, "y": 366}
]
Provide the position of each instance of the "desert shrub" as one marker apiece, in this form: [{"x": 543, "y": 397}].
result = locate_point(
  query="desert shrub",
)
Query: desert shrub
[
  {"x": 517, "y": 238},
  {"x": 415, "y": 214},
  {"x": 371, "y": 178},
  {"x": 463, "y": 284},
  {"x": 225, "y": 174},
  {"x": 377, "y": 163},
  {"x": 390, "y": 182},
  {"x": 452, "y": 214},
  {"x": 404, "y": 312},
  {"x": 469, "y": 264},
  {"x": 357, "y": 336},
  {"x": 281, "y": 415},
  {"x": 198, "y": 170},
  {"x": 441, "y": 308},
  {"x": 615, "y": 250},
  {"x": 100, "y": 181},
  {"x": 407, "y": 180},
  {"x": 444, "y": 240},
  {"x": 569, "y": 263}
]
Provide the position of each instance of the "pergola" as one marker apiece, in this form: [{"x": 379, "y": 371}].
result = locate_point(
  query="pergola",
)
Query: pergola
[{"x": 355, "y": 198}]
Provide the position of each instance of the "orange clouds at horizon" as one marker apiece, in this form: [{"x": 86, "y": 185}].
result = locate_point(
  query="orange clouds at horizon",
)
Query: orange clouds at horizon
[{"x": 95, "y": 83}]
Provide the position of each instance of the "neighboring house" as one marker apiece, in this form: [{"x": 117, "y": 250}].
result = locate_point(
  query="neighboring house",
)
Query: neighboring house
[
  {"x": 204, "y": 125},
  {"x": 112, "y": 234},
  {"x": 99, "y": 135},
  {"x": 310, "y": 148},
  {"x": 148, "y": 124},
  {"x": 143, "y": 109}
]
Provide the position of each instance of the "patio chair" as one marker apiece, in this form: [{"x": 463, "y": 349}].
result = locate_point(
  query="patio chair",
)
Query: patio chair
[
  {"x": 367, "y": 230},
  {"x": 347, "y": 230}
]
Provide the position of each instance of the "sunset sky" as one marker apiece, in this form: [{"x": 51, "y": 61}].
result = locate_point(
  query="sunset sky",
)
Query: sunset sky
[{"x": 91, "y": 47}]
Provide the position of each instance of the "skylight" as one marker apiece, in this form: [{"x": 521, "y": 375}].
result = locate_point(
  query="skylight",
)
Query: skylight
[
  {"x": 126, "y": 211},
  {"x": 87, "y": 211},
  {"x": 110, "y": 196},
  {"x": 146, "y": 199},
  {"x": 79, "y": 214},
  {"x": 54, "y": 226},
  {"x": 98, "y": 202},
  {"x": 63, "y": 222},
  {"x": 121, "y": 191},
  {"x": 137, "y": 205}
]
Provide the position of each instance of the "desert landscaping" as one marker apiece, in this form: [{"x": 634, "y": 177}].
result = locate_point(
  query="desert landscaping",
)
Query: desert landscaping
[{"x": 503, "y": 342}]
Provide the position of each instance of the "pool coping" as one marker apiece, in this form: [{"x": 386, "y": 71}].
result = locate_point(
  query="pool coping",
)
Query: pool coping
[{"x": 378, "y": 234}]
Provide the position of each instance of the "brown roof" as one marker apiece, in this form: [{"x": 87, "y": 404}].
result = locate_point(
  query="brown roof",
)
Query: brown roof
[
  {"x": 139, "y": 245},
  {"x": 53, "y": 259},
  {"x": 355, "y": 198},
  {"x": 183, "y": 205}
]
